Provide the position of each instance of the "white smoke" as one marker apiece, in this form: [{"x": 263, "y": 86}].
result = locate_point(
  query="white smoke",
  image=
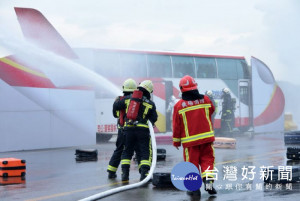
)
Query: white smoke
[{"x": 282, "y": 30}]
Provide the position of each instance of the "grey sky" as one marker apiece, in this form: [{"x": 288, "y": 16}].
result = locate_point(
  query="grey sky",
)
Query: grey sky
[{"x": 266, "y": 29}]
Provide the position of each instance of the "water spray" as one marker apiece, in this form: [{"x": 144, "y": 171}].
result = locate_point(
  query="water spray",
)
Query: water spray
[
  {"x": 131, "y": 186},
  {"x": 61, "y": 71},
  {"x": 54, "y": 65}
]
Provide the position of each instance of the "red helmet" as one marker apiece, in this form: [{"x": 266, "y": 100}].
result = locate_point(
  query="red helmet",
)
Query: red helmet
[{"x": 187, "y": 83}]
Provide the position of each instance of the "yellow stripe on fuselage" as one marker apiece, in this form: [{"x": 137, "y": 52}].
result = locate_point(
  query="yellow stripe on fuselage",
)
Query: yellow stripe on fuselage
[
  {"x": 20, "y": 67},
  {"x": 161, "y": 122}
]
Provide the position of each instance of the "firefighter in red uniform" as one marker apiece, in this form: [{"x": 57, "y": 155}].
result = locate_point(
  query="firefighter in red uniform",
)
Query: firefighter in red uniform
[
  {"x": 192, "y": 128},
  {"x": 137, "y": 133},
  {"x": 129, "y": 86}
]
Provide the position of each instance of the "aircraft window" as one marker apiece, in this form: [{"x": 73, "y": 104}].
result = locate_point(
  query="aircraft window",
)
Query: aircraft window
[
  {"x": 244, "y": 95},
  {"x": 242, "y": 69},
  {"x": 133, "y": 65},
  {"x": 183, "y": 66},
  {"x": 227, "y": 68},
  {"x": 206, "y": 67},
  {"x": 107, "y": 64},
  {"x": 159, "y": 66}
]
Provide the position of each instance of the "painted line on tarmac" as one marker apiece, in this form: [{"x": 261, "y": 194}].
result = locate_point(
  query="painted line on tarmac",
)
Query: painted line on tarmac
[
  {"x": 72, "y": 192},
  {"x": 250, "y": 158}
]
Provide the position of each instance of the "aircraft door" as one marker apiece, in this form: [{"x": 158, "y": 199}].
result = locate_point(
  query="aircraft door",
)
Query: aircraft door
[{"x": 243, "y": 104}]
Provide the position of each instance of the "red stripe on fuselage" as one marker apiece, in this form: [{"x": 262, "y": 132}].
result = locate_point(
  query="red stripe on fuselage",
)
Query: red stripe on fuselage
[
  {"x": 273, "y": 111},
  {"x": 17, "y": 77}
]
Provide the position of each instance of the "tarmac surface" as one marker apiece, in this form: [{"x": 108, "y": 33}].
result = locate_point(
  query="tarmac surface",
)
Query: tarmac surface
[{"x": 54, "y": 174}]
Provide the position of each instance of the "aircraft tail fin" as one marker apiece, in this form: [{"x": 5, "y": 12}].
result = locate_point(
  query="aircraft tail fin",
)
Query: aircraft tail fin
[{"x": 37, "y": 29}]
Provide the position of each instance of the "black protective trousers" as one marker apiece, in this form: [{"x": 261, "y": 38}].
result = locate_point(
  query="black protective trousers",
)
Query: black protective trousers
[
  {"x": 137, "y": 139},
  {"x": 116, "y": 156},
  {"x": 227, "y": 121}
]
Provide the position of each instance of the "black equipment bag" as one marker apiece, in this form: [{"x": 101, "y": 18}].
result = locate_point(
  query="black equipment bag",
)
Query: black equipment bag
[
  {"x": 293, "y": 163},
  {"x": 292, "y": 137},
  {"x": 162, "y": 179},
  {"x": 293, "y": 153},
  {"x": 161, "y": 154},
  {"x": 86, "y": 154}
]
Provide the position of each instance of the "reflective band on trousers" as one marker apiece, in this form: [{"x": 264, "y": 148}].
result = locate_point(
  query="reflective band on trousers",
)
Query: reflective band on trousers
[
  {"x": 208, "y": 174},
  {"x": 125, "y": 162},
  {"x": 112, "y": 168},
  {"x": 145, "y": 162},
  {"x": 186, "y": 152}
]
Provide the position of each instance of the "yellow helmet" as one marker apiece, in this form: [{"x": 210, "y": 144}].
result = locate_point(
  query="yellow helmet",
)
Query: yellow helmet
[
  {"x": 147, "y": 84},
  {"x": 129, "y": 85}
]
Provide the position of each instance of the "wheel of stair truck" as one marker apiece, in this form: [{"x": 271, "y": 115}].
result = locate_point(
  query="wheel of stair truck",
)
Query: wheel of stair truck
[
  {"x": 292, "y": 137},
  {"x": 162, "y": 180},
  {"x": 225, "y": 142}
]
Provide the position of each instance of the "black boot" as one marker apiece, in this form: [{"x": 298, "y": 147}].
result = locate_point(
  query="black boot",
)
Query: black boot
[
  {"x": 125, "y": 174},
  {"x": 144, "y": 173},
  {"x": 208, "y": 186},
  {"x": 111, "y": 174}
]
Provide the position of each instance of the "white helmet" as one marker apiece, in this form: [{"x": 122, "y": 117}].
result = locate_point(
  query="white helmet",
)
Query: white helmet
[
  {"x": 209, "y": 92},
  {"x": 147, "y": 84},
  {"x": 173, "y": 98},
  {"x": 226, "y": 90}
]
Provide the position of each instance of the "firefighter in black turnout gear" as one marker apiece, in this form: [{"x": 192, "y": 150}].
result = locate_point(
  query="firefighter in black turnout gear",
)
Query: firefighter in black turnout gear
[
  {"x": 129, "y": 86},
  {"x": 209, "y": 93},
  {"x": 136, "y": 129},
  {"x": 227, "y": 118}
]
